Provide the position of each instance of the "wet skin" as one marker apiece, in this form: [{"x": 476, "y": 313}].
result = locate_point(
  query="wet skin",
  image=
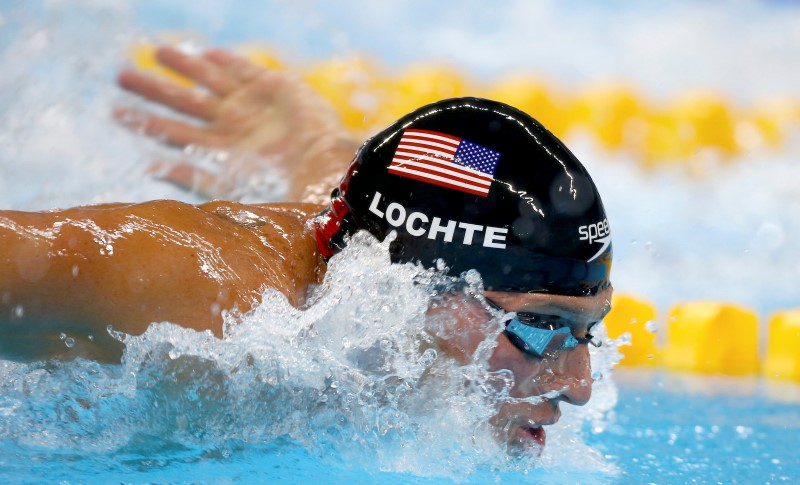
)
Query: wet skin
[
  {"x": 80, "y": 270},
  {"x": 564, "y": 377}
]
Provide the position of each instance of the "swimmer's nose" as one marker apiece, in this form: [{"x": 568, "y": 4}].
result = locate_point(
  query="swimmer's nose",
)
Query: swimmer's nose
[{"x": 573, "y": 372}]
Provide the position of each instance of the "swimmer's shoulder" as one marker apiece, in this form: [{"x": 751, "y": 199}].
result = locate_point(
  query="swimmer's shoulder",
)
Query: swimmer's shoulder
[
  {"x": 248, "y": 214},
  {"x": 276, "y": 223},
  {"x": 279, "y": 229}
]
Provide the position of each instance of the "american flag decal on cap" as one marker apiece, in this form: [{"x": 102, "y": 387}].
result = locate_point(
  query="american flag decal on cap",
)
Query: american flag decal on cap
[{"x": 445, "y": 160}]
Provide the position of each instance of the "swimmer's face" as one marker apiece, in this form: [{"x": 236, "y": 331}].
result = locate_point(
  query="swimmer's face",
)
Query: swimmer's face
[{"x": 563, "y": 377}]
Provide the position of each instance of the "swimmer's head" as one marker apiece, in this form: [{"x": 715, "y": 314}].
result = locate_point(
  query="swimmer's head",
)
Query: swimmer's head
[{"x": 479, "y": 185}]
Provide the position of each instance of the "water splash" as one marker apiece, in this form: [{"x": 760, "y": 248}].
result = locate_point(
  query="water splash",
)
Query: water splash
[{"x": 353, "y": 378}]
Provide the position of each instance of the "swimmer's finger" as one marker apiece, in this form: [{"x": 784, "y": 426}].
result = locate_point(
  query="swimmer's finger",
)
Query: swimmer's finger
[
  {"x": 197, "y": 69},
  {"x": 171, "y": 131},
  {"x": 234, "y": 66},
  {"x": 187, "y": 177},
  {"x": 188, "y": 101}
]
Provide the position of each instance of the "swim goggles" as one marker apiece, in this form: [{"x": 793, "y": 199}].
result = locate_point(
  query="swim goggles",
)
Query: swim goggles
[{"x": 539, "y": 336}]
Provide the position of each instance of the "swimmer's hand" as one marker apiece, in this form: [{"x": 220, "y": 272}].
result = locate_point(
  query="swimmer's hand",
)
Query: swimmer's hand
[{"x": 263, "y": 119}]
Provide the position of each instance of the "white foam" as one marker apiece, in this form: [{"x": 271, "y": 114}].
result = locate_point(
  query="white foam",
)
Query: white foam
[{"x": 350, "y": 377}]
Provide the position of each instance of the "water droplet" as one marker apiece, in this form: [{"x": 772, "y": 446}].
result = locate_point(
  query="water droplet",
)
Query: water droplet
[
  {"x": 69, "y": 342},
  {"x": 221, "y": 156},
  {"x": 428, "y": 357},
  {"x": 19, "y": 311},
  {"x": 116, "y": 335}
]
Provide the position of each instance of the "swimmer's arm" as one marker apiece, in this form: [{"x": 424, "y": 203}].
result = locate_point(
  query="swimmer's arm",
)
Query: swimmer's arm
[
  {"x": 41, "y": 295},
  {"x": 77, "y": 271},
  {"x": 243, "y": 108}
]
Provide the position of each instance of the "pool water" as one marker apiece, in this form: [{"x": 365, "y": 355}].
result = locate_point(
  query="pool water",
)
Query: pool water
[
  {"x": 667, "y": 428},
  {"x": 258, "y": 407},
  {"x": 676, "y": 428}
]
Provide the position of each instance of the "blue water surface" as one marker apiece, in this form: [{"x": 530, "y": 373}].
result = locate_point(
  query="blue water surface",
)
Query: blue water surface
[
  {"x": 667, "y": 428},
  {"x": 680, "y": 428}
]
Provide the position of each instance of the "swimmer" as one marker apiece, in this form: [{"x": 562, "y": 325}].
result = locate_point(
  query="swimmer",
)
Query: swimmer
[{"x": 469, "y": 182}]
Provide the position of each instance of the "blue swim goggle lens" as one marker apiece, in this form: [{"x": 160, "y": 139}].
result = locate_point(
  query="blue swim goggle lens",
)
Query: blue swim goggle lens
[{"x": 538, "y": 335}]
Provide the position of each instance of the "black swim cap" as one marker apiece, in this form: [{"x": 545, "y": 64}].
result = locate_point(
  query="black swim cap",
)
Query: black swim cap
[{"x": 480, "y": 185}]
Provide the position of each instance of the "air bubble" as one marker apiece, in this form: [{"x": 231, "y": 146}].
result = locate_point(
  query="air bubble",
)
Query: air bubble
[
  {"x": 68, "y": 341},
  {"x": 428, "y": 357}
]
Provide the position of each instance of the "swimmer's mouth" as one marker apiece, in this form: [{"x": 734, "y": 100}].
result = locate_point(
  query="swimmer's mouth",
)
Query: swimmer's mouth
[{"x": 536, "y": 434}]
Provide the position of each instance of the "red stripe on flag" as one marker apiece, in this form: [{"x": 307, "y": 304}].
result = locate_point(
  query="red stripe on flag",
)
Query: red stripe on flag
[
  {"x": 452, "y": 167},
  {"x": 455, "y": 139},
  {"x": 443, "y": 184},
  {"x": 442, "y": 177},
  {"x": 425, "y": 146},
  {"x": 437, "y": 144},
  {"x": 435, "y": 176}
]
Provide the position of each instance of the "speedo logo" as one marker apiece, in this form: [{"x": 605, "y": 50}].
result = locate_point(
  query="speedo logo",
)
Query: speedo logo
[
  {"x": 598, "y": 232},
  {"x": 419, "y": 225}
]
